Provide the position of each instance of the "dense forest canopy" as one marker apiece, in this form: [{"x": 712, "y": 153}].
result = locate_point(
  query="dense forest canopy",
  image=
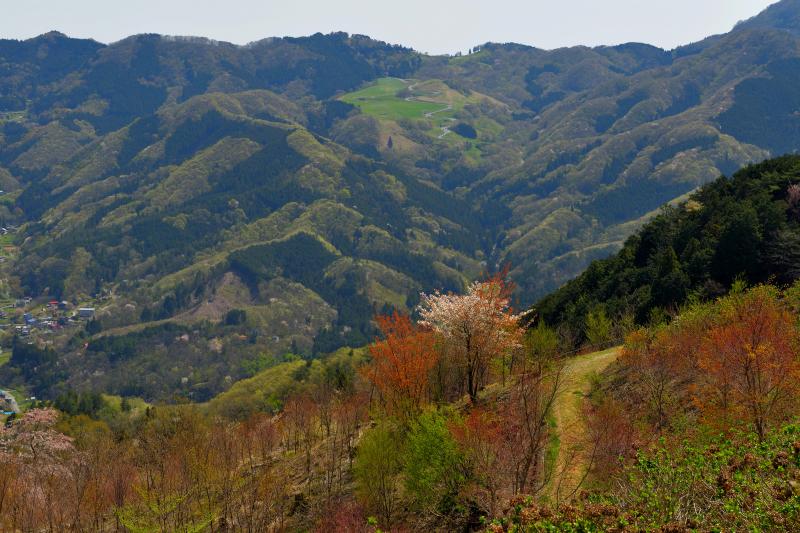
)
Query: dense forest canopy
[{"x": 746, "y": 227}]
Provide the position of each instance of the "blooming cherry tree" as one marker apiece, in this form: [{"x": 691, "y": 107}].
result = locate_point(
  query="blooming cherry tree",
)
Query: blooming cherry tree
[{"x": 477, "y": 327}]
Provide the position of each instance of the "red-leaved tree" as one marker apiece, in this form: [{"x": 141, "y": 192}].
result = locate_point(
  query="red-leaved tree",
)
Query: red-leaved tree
[
  {"x": 401, "y": 365},
  {"x": 750, "y": 360}
]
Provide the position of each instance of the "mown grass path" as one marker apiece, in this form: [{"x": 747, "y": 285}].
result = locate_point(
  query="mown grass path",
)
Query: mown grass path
[{"x": 574, "y": 450}]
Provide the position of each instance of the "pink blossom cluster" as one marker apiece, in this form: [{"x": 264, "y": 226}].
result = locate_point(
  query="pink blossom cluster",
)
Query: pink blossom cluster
[
  {"x": 482, "y": 315},
  {"x": 793, "y": 195},
  {"x": 33, "y": 435}
]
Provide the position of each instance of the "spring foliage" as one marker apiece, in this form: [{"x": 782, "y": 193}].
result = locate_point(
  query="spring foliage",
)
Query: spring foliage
[
  {"x": 401, "y": 364},
  {"x": 477, "y": 327}
]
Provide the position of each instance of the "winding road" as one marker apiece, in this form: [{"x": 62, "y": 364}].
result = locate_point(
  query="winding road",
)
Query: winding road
[
  {"x": 429, "y": 114},
  {"x": 8, "y": 397}
]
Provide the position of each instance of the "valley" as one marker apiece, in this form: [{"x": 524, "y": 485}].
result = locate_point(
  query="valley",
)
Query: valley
[
  {"x": 330, "y": 283},
  {"x": 393, "y": 172}
]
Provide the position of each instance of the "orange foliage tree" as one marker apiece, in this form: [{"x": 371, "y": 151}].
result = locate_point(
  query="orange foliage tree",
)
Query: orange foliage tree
[
  {"x": 750, "y": 360},
  {"x": 401, "y": 364},
  {"x": 664, "y": 360},
  {"x": 611, "y": 435}
]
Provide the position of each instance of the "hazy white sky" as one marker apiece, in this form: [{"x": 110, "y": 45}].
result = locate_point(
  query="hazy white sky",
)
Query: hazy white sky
[{"x": 434, "y": 26}]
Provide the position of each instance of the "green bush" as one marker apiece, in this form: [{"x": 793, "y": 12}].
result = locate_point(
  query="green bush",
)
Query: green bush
[
  {"x": 433, "y": 465},
  {"x": 377, "y": 469}
]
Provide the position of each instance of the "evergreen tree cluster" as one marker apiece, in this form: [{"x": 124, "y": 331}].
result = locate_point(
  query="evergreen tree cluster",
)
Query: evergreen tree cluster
[{"x": 746, "y": 227}]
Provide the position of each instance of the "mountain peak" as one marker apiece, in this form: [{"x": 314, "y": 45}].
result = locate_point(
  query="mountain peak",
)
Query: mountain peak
[
  {"x": 52, "y": 35},
  {"x": 783, "y": 15}
]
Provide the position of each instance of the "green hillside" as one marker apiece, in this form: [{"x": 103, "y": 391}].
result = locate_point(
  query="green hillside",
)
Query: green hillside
[
  {"x": 228, "y": 212},
  {"x": 271, "y": 198},
  {"x": 382, "y": 100}
]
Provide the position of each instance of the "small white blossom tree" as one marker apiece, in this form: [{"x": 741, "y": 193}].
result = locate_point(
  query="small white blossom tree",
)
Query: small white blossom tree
[{"x": 477, "y": 327}]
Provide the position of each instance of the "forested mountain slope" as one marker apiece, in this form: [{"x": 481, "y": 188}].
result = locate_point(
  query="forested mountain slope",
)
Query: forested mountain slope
[
  {"x": 227, "y": 204},
  {"x": 744, "y": 228}
]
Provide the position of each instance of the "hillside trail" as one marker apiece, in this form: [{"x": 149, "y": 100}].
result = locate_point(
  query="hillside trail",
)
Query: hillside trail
[
  {"x": 574, "y": 453},
  {"x": 429, "y": 114}
]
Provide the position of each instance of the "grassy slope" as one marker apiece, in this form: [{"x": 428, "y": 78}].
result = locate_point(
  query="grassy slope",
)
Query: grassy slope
[
  {"x": 381, "y": 101},
  {"x": 571, "y": 462},
  {"x": 265, "y": 391},
  {"x": 430, "y": 100}
]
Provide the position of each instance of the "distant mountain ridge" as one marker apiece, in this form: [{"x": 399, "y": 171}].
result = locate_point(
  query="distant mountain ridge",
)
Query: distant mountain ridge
[
  {"x": 312, "y": 182},
  {"x": 783, "y": 15}
]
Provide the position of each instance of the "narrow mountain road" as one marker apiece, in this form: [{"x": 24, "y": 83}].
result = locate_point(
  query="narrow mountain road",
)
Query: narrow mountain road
[
  {"x": 445, "y": 129},
  {"x": 574, "y": 450},
  {"x": 9, "y": 398},
  {"x": 429, "y": 114}
]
